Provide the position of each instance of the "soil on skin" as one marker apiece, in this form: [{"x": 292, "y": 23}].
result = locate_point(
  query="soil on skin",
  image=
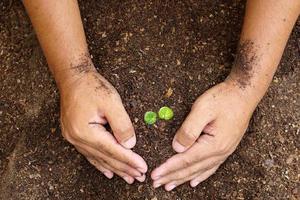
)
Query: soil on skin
[{"x": 144, "y": 48}]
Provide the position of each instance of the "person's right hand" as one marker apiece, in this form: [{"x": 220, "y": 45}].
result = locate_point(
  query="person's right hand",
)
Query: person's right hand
[{"x": 87, "y": 104}]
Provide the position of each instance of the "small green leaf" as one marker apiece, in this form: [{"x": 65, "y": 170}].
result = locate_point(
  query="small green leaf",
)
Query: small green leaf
[
  {"x": 165, "y": 113},
  {"x": 150, "y": 117}
]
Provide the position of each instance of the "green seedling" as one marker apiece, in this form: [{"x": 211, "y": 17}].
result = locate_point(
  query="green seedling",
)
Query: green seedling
[
  {"x": 150, "y": 117},
  {"x": 165, "y": 113}
]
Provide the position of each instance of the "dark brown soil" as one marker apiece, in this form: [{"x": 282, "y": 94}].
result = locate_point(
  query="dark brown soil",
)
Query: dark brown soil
[{"x": 144, "y": 48}]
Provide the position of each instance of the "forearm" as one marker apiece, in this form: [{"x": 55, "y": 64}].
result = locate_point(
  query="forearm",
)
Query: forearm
[
  {"x": 59, "y": 29},
  {"x": 266, "y": 29}
]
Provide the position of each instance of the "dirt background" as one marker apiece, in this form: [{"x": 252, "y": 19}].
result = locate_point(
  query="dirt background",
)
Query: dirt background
[{"x": 144, "y": 48}]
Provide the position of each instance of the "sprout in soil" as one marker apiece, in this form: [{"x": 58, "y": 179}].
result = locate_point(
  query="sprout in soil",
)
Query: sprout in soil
[
  {"x": 150, "y": 117},
  {"x": 165, "y": 113}
]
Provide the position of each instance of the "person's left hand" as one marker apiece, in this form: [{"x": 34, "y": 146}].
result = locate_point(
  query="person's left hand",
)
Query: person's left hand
[{"x": 211, "y": 132}]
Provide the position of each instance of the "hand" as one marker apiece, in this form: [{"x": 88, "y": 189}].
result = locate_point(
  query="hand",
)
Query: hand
[
  {"x": 210, "y": 133},
  {"x": 87, "y": 104}
]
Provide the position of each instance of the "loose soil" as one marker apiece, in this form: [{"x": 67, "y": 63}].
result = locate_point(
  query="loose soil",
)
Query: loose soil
[{"x": 144, "y": 48}]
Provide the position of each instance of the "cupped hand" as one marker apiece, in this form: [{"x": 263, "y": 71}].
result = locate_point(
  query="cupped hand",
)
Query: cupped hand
[
  {"x": 210, "y": 133},
  {"x": 87, "y": 104}
]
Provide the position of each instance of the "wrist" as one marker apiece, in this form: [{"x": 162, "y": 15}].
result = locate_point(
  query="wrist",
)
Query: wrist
[
  {"x": 73, "y": 70},
  {"x": 250, "y": 94}
]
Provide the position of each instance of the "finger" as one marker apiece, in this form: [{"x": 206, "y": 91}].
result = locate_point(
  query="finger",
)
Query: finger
[
  {"x": 109, "y": 174},
  {"x": 191, "y": 128},
  {"x": 126, "y": 177},
  {"x": 104, "y": 142},
  {"x": 201, "y": 150},
  {"x": 171, "y": 185},
  {"x": 98, "y": 138},
  {"x": 183, "y": 174},
  {"x": 101, "y": 157},
  {"x": 101, "y": 165},
  {"x": 203, "y": 176},
  {"x": 120, "y": 124},
  {"x": 141, "y": 178}
]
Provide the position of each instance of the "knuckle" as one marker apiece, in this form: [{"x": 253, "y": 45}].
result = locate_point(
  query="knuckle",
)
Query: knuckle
[
  {"x": 181, "y": 174},
  {"x": 186, "y": 162},
  {"x": 199, "y": 104},
  {"x": 192, "y": 136},
  {"x": 223, "y": 149},
  {"x": 185, "y": 130},
  {"x": 188, "y": 134},
  {"x": 93, "y": 162},
  {"x": 76, "y": 135},
  {"x": 71, "y": 133},
  {"x": 101, "y": 160},
  {"x": 127, "y": 162},
  {"x": 102, "y": 146},
  {"x": 125, "y": 169},
  {"x": 118, "y": 166},
  {"x": 125, "y": 132},
  {"x": 68, "y": 137}
]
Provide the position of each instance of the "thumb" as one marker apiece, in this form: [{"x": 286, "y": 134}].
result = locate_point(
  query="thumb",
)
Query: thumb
[
  {"x": 191, "y": 129},
  {"x": 120, "y": 124}
]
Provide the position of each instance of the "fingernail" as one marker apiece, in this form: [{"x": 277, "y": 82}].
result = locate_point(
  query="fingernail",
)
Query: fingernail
[
  {"x": 156, "y": 185},
  {"x": 170, "y": 187},
  {"x": 178, "y": 147},
  {"x": 129, "y": 143},
  {"x": 194, "y": 184},
  {"x": 141, "y": 178},
  {"x": 108, "y": 174},
  {"x": 127, "y": 179}
]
